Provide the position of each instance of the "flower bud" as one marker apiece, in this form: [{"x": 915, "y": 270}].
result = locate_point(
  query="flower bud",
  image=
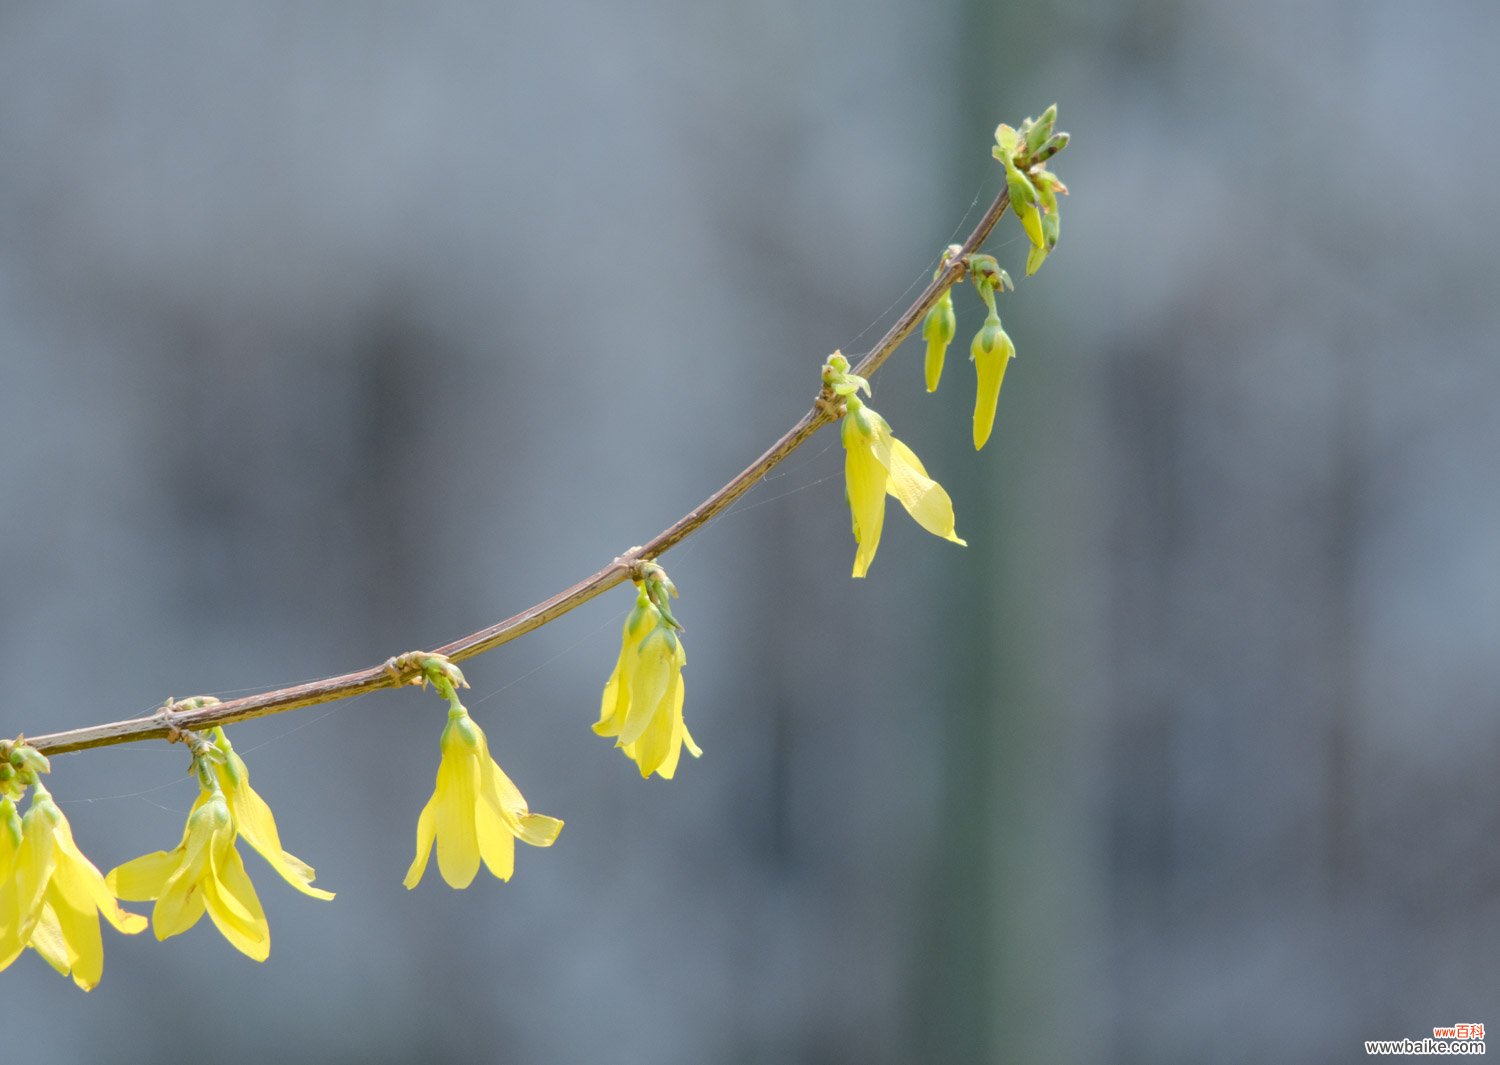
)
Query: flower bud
[
  {"x": 938, "y": 331},
  {"x": 991, "y": 352}
]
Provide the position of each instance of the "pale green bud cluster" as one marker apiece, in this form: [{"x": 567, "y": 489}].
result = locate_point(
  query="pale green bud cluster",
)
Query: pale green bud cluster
[
  {"x": 1033, "y": 188},
  {"x": 1033, "y": 192}
]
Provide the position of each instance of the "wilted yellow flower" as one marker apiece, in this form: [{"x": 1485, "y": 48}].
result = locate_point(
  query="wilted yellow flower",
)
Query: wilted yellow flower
[
  {"x": 51, "y": 896},
  {"x": 876, "y": 463},
  {"x": 475, "y": 812},
  {"x": 642, "y": 704},
  {"x": 203, "y": 872},
  {"x": 253, "y": 819}
]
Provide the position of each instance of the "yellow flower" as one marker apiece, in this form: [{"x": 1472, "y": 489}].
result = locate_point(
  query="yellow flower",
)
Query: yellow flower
[
  {"x": 876, "y": 463},
  {"x": 642, "y": 704},
  {"x": 475, "y": 812},
  {"x": 203, "y": 872},
  {"x": 253, "y": 819},
  {"x": 51, "y": 896}
]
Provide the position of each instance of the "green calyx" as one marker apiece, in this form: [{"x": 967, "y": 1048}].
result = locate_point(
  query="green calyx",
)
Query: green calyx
[
  {"x": 838, "y": 380},
  {"x": 659, "y": 590}
]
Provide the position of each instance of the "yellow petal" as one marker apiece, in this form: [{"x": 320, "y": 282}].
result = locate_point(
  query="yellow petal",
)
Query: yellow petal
[
  {"x": 84, "y": 885},
  {"x": 539, "y": 830},
  {"x": 180, "y": 902},
  {"x": 457, "y": 842},
  {"x": 177, "y": 911},
  {"x": 80, "y": 929},
  {"x": 47, "y": 939},
  {"x": 864, "y": 481},
  {"x": 612, "y": 706},
  {"x": 426, "y": 827},
  {"x": 655, "y": 665},
  {"x": 257, "y": 826},
  {"x": 10, "y": 846},
  {"x": 143, "y": 879},
  {"x": 222, "y": 855},
  {"x": 232, "y": 904},
  {"x": 35, "y": 863},
  {"x": 502, "y": 795},
  {"x": 666, "y": 768},
  {"x": 651, "y": 749},
  {"x": 616, "y": 701},
  {"x": 497, "y": 846},
  {"x": 923, "y": 498}
]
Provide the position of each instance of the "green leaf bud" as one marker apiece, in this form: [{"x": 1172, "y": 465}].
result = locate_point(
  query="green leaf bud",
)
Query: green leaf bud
[
  {"x": 1007, "y": 141},
  {"x": 1054, "y": 144},
  {"x": 1038, "y": 130}
]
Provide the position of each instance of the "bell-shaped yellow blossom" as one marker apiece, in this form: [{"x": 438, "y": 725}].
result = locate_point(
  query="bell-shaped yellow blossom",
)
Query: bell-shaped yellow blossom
[
  {"x": 991, "y": 351},
  {"x": 475, "y": 812},
  {"x": 876, "y": 463},
  {"x": 253, "y": 819},
  {"x": 203, "y": 872},
  {"x": 642, "y": 704},
  {"x": 51, "y": 896}
]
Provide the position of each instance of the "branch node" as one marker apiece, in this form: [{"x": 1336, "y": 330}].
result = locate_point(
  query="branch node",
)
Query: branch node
[
  {"x": 177, "y": 733},
  {"x": 416, "y": 668},
  {"x": 632, "y": 563}
]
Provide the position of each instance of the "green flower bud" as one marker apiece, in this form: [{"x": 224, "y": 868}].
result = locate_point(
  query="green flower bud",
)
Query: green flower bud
[
  {"x": 1022, "y": 192},
  {"x": 1031, "y": 222},
  {"x": 1051, "y": 224},
  {"x": 991, "y": 353},
  {"x": 938, "y": 331}
]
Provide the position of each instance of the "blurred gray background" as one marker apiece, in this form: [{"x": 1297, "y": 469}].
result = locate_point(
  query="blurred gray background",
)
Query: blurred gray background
[{"x": 331, "y": 331}]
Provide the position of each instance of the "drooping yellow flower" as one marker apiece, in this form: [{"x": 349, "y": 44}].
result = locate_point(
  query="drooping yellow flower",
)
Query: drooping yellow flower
[
  {"x": 876, "y": 463},
  {"x": 202, "y": 873},
  {"x": 642, "y": 704},
  {"x": 253, "y": 819},
  {"x": 51, "y": 896},
  {"x": 475, "y": 813}
]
